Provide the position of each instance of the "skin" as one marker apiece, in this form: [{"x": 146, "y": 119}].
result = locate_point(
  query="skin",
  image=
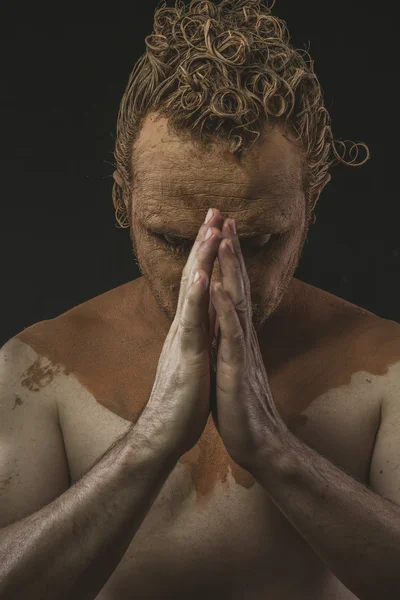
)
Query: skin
[
  {"x": 105, "y": 352},
  {"x": 262, "y": 190}
]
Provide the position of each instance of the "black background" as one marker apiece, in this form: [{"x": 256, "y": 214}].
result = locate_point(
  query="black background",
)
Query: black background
[{"x": 62, "y": 83}]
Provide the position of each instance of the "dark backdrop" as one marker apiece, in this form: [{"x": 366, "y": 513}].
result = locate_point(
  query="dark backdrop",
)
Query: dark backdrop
[{"x": 61, "y": 87}]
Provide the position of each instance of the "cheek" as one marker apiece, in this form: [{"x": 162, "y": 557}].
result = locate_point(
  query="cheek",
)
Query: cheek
[
  {"x": 274, "y": 261},
  {"x": 165, "y": 265},
  {"x": 162, "y": 264},
  {"x": 285, "y": 245}
]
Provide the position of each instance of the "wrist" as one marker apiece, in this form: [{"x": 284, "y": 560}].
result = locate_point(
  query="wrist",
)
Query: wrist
[
  {"x": 144, "y": 445},
  {"x": 277, "y": 458}
]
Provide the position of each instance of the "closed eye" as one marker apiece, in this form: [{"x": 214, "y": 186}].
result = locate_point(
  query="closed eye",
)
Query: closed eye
[
  {"x": 175, "y": 241},
  {"x": 180, "y": 245},
  {"x": 252, "y": 243}
]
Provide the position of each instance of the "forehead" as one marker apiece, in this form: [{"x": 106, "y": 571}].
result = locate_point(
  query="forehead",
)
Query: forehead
[{"x": 178, "y": 181}]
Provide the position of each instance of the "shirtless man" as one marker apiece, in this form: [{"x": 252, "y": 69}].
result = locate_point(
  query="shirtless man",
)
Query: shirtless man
[{"x": 125, "y": 473}]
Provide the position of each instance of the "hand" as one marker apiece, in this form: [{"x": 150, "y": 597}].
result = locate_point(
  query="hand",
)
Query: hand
[
  {"x": 244, "y": 411},
  {"x": 179, "y": 406}
]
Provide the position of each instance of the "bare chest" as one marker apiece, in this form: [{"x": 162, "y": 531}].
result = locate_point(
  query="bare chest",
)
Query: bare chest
[{"x": 212, "y": 523}]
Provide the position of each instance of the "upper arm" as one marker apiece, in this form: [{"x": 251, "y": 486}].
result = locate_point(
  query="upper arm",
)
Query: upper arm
[
  {"x": 385, "y": 462},
  {"x": 33, "y": 466}
]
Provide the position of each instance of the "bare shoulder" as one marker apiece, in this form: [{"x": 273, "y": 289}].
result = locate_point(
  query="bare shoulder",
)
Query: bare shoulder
[
  {"x": 317, "y": 320},
  {"x": 328, "y": 311},
  {"x": 22, "y": 368},
  {"x": 93, "y": 351},
  {"x": 367, "y": 342},
  {"x": 363, "y": 347},
  {"x": 384, "y": 473},
  {"x": 33, "y": 466},
  {"x": 334, "y": 345},
  {"x": 385, "y": 344},
  {"x": 56, "y": 341}
]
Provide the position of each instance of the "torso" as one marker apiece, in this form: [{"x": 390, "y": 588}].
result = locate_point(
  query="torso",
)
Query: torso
[{"x": 213, "y": 532}]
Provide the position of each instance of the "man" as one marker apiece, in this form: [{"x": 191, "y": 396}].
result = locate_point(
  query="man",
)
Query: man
[{"x": 317, "y": 518}]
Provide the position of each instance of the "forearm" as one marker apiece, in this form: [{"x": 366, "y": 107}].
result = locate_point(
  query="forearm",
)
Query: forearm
[
  {"x": 355, "y": 531},
  {"x": 70, "y": 548}
]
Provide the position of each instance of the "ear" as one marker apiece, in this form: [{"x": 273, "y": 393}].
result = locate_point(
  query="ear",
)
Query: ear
[
  {"x": 118, "y": 179},
  {"x": 120, "y": 182},
  {"x": 319, "y": 191}
]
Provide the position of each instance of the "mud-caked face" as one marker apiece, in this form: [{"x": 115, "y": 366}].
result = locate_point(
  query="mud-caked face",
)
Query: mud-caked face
[{"x": 176, "y": 183}]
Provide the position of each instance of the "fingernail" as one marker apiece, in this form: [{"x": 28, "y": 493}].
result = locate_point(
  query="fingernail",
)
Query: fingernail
[
  {"x": 232, "y": 225},
  {"x": 230, "y": 246},
  {"x": 209, "y": 216},
  {"x": 208, "y": 234}
]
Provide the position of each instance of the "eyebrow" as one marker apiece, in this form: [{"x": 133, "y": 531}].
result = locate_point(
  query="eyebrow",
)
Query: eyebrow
[
  {"x": 275, "y": 223},
  {"x": 173, "y": 232}
]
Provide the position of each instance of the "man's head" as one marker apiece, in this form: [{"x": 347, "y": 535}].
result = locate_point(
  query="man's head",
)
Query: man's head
[
  {"x": 221, "y": 112},
  {"x": 176, "y": 185}
]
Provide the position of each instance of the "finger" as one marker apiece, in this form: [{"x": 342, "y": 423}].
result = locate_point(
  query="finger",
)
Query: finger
[
  {"x": 204, "y": 262},
  {"x": 212, "y": 315},
  {"x": 192, "y": 325},
  {"x": 232, "y": 277},
  {"x": 228, "y": 233},
  {"x": 202, "y": 255},
  {"x": 193, "y": 317},
  {"x": 232, "y": 344},
  {"x": 216, "y": 328}
]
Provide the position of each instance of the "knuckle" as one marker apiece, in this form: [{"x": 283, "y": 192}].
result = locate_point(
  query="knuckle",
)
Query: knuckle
[
  {"x": 238, "y": 337},
  {"x": 188, "y": 328},
  {"x": 191, "y": 299},
  {"x": 231, "y": 309},
  {"x": 230, "y": 312},
  {"x": 242, "y": 306},
  {"x": 205, "y": 246}
]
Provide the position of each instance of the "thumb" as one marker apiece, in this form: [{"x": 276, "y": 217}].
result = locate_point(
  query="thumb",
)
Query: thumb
[
  {"x": 216, "y": 327},
  {"x": 213, "y": 399},
  {"x": 212, "y": 314}
]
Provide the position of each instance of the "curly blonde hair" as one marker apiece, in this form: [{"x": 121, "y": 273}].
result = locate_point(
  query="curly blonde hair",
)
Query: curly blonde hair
[{"x": 224, "y": 72}]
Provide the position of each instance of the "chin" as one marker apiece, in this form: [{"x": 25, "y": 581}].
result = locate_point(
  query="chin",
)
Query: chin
[
  {"x": 264, "y": 309},
  {"x": 263, "y": 306},
  {"x": 271, "y": 282}
]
